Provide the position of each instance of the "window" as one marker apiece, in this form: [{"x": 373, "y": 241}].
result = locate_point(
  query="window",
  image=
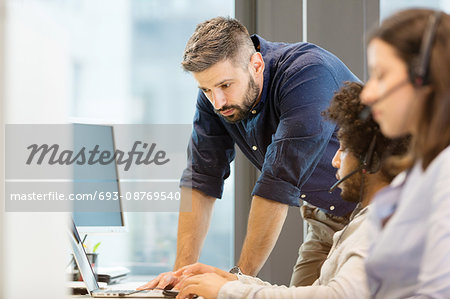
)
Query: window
[
  {"x": 116, "y": 61},
  {"x": 388, "y": 7}
]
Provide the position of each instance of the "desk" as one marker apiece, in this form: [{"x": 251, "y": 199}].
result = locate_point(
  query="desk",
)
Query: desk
[{"x": 130, "y": 283}]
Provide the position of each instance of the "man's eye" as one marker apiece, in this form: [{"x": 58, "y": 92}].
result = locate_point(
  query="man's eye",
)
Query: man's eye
[
  {"x": 226, "y": 85},
  {"x": 205, "y": 90}
]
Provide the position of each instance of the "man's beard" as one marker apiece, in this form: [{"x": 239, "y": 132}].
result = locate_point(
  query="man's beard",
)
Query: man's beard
[
  {"x": 351, "y": 188},
  {"x": 241, "y": 111}
]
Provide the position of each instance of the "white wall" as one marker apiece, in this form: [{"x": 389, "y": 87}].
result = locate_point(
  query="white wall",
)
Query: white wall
[{"x": 34, "y": 244}]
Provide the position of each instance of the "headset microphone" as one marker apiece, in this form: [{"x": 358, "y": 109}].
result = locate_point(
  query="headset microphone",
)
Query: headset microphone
[
  {"x": 366, "y": 165},
  {"x": 345, "y": 178},
  {"x": 365, "y": 113}
]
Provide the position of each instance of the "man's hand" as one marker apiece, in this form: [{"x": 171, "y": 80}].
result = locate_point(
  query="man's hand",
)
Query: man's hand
[
  {"x": 204, "y": 285},
  {"x": 162, "y": 281},
  {"x": 198, "y": 268}
]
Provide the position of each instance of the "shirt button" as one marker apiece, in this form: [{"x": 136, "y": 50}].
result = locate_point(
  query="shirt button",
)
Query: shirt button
[
  {"x": 254, "y": 148},
  {"x": 253, "y": 111},
  {"x": 303, "y": 195},
  {"x": 331, "y": 208}
]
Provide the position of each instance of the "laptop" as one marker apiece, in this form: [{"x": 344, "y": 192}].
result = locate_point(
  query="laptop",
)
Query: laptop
[{"x": 91, "y": 283}]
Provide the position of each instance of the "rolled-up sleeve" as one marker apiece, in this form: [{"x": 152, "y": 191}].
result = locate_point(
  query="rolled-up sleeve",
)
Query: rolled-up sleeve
[
  {"x": 301, "y": 136},
  {"x": 210, "y": 152}
]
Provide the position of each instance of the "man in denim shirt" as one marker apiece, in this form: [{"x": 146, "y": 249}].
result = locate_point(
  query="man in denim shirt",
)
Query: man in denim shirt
[{"x": 267, "y": 98}]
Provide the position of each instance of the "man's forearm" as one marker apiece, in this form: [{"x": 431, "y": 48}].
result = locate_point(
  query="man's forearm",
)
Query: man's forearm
[
  {"x": 192, "y": 226},
  {"x": 265, "y": 222}
]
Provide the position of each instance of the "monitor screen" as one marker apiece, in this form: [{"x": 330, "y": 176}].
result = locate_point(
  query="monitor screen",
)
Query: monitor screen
[{"x": 89, "y": 179}]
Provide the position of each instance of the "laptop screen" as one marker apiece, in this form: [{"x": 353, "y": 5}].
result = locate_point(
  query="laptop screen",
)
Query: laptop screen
[{"x": 82, "y": 260}]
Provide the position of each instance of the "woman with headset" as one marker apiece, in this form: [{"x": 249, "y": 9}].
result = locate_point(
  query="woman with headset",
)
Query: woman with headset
[{"x": 409, "y": 93}]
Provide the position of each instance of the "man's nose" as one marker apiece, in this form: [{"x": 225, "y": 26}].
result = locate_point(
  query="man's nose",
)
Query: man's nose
[
  {"x": 336, "y": 162},
  {"x": 218, "y": 99}
]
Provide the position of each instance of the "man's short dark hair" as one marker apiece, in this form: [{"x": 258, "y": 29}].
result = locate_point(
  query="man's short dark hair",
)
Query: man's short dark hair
[
  {"x": 355, "y": 134},
  {"x": 215, "y": 40}
]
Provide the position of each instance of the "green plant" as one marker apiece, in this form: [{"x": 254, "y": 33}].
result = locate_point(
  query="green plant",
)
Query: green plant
[{"x": 96, "y": 247}]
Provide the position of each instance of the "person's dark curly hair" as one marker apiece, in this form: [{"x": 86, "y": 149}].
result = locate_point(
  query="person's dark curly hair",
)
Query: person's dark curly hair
[{"x": 355, "y": 134}]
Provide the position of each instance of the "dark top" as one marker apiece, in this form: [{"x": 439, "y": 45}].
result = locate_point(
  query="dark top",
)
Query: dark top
[{"x": 285, "y": 136}]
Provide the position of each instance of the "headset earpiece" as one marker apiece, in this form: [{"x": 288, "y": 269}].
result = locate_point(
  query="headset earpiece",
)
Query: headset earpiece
[
  {"x": 414, "y": 77},
  {"x": 371, "y": 162},
  {"x": 375, "y": 164},
  {"x": 418, "y": 70}
]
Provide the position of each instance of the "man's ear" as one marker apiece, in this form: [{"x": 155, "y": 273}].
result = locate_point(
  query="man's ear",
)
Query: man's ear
[{"x": 257, "y": 63}]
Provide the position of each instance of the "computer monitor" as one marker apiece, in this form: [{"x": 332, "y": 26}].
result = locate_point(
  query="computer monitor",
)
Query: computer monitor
[{"x": 108, "y": 215}]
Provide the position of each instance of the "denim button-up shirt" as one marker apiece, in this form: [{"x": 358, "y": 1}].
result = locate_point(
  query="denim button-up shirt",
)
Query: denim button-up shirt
[{"x": 285, "y": 136}]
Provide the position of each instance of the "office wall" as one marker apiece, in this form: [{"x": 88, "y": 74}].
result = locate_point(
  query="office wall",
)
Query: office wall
[
  {"x": 338, "y": 26},
  {"x": 341, "y": 27},
  {"x": 2, "y": 160},
  {"x": 280, "y": 20}
]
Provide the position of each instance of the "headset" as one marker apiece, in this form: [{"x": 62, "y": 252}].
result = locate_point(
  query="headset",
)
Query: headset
[
  {"x": 418, "y": 70},
  {"x": 418, "y": 76},
  {"x": 369, "y": 164}
]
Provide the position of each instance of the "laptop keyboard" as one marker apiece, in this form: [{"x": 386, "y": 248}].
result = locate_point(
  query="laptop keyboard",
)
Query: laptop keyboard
[
  {"x": 115, "y": 291},
  {"x": 125, "y": 292}
]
